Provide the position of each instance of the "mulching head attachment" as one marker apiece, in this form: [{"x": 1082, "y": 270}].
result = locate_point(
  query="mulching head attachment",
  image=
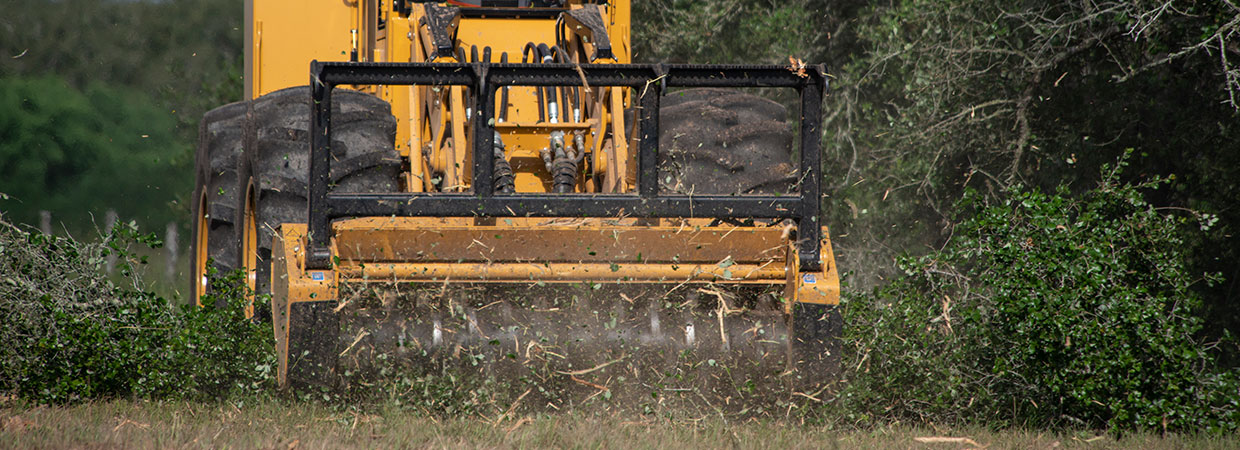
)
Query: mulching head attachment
[{"x": 619, "y": 292}]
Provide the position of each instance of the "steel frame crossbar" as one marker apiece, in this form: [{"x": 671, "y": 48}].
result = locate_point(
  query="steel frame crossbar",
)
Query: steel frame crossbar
[{"x": 483, "y": 79}]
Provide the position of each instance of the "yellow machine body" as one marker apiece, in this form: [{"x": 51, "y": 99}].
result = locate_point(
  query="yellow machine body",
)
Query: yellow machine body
[{"x": 284, "y": 36}]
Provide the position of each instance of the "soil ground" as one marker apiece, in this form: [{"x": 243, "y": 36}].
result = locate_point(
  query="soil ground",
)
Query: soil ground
[{"x": 277, "y": 424}]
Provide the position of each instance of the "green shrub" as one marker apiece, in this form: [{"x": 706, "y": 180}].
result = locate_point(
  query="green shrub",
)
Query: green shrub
[
  {"x": 71, "y": 333},
  {"x": 1045, "y": 310}
]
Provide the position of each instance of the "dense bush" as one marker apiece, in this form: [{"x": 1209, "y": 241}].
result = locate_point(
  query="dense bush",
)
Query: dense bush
[
  {"x": 1044, "y": 310},
  {"x": 70, "y": 333}
]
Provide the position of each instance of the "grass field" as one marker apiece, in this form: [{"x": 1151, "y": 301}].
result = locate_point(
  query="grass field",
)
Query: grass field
[{"x": 273, "y": 424}]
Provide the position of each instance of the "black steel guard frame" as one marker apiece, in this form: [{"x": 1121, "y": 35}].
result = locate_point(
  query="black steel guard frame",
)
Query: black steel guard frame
[{"x": 648, "y": 82}]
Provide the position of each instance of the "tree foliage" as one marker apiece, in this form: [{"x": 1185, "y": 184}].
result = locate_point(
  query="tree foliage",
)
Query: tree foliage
[
  {"x": 935, "y": 97},
  {"x": 978, "y": 82},
  {"x": 185, "y": 53},
  {"x": 101, "y": 103},
  {"x": 79, "y": 153},
  {"x": 724, "y": 31}
]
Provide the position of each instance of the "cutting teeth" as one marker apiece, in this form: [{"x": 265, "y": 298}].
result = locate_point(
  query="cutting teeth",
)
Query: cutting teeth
[
  {"x": 654, "y": 322},
  {"x": 472, "y": 321},
  {"x": 498, "y": 331}
]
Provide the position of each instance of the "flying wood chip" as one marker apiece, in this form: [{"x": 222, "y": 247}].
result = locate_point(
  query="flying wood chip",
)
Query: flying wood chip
[{"x": 797, "y": 66}]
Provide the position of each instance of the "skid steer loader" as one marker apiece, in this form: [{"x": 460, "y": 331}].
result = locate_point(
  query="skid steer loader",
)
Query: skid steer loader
[{"x": 498, "y": 178}]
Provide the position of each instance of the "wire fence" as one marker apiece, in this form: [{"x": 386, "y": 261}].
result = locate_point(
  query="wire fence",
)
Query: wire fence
[{"x": 167, "y": 266}]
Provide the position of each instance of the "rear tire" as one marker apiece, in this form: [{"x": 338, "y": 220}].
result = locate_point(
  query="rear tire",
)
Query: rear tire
[
  {"x": 363, "y": 155},
  {"x": 719, "y": 141},
  {"x": 214, "y": 200}
]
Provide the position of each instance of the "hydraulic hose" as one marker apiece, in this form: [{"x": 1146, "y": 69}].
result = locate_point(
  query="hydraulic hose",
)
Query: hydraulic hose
[
  {"x": 532, "y": 50},
  {"x": 504, "y": 179},
  {"x": 564, "y": 167},
  {"x": 553, "y": 107},
  {"x": 562, "y": 57},
  {"x": 503, "y": 93}
]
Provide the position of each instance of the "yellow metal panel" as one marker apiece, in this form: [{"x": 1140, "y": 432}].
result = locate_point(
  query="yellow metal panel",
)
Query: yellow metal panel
[
  {"x": 460, "y": 155},
  {"x": 820, "y": 287},
  {"x": 291, "y": 284},
  {"x": 399, "y": 36},
  {"x": 289, "y": 277},
  {"x": 617, "y": 162},
  {"x": 288, "y": 34},
  {"x": 398, "y": 239},
  {"x": 619, "y": 15},
  {"x": 504, "y": 35},
  {"x": 564, "y": 273}
]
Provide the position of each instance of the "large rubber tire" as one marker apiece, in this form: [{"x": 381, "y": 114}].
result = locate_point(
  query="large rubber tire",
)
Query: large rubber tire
[
  {"x": 363, "y": 158},
  {"x": 721, "y": 141},
  {"x": 220, "y": 140}
]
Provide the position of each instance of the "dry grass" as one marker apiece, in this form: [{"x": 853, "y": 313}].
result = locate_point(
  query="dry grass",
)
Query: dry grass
[{"x": 281, "y": 425}]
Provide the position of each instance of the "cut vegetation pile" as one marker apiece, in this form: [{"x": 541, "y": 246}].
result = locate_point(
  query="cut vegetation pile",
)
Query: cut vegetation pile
[{"x": 73, "y": 333}]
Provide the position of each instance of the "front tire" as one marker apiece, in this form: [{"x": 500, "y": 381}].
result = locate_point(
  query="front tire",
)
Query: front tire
[
  {"x": 276, "y": 167},
  {"x": 214, "y": 204}
]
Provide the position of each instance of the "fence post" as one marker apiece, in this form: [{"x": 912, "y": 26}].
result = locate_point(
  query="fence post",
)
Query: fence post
[
  {"x": 45, "y": 221},
  {"x": 170, "y": 243},
  {"x": 109, "y": 222}
]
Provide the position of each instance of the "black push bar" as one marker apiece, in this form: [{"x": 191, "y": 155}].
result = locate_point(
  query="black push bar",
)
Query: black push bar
[{"x": 648, "y": 82}]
